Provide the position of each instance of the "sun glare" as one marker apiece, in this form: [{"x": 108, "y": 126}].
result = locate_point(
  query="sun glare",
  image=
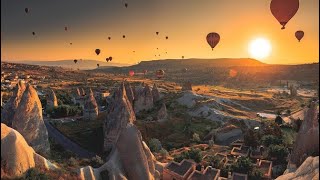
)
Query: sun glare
[{"x": 259, "y": 48}]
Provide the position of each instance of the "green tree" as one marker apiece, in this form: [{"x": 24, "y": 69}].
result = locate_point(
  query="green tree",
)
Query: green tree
[
  {"x": 164, "y": 153},
  {"x": 195, "y": 137},
  {"x": 243, "y": 165},
  {"x": 278, "y": 120},
  {"x": 268, "y": 140},
  {"x": 251, "y": 138},
  {"x": 155, "y": 145},
  {"x": 255, "y": 174},
  {"x": 279, "y": 152}
]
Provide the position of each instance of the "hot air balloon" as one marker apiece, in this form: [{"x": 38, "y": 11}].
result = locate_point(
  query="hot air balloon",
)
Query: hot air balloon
[
  {"x": 123, "y": 36},
  {"x": 213, "y": 39},
  {"x": 98, "y": 65},
  {"x": 131, "y": 73},
  {"x": 70, "y": 43},
  {"x": 182, "y": 57},
  {"x": 160, "y": 73},
  {"x": 157, "y": 33},
  {"x": 75, "y": 61},
  {"x": 107, "y": 59},
  {"x": 284, "y": 10},
  {"x": 110, "y": 58},
  {"x": 299, "y": 35},
  {"x": 126, "y": 5},
  {"x": 26, "y": 10},
  {"x": 33, "y": 33},
  {"x": 66, "y": 28},
  {"x": 167, "y": 37},
  {"x": 109, "y": 38},
  {"x": 97, "y": 51}
]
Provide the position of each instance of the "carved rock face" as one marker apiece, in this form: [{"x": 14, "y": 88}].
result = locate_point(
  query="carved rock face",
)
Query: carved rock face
[
  {"x": 28, "y": 121},
  {"x": 52, "y": 100},
  {"x": 10, "y": 108},
  {"x": 155, "y": 93},
  {"x": 90, "y": 110},
  {"x": 143, "y": 100},
  {"x": 307, "y": 140}
]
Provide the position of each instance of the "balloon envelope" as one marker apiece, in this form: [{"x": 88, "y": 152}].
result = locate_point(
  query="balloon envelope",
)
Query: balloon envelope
[
  {"x": 97, "y": 51},
  {"x": 284, "y": 10},
  {"x": 75, "y": 61},
  {"x": 213, "y": 39},
  {"x": 299, "y": 35},
  {"x": 26, "y": 10},
  {"x": 160, "y": 73},
  {"x": 131, "y": 73}
]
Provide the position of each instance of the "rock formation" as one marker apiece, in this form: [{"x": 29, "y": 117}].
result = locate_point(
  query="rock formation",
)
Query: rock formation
[
  {"x": 17, "y": 156},
  {"x": 28, "y": 121},
  {"x": 90, "y": 110},
  {"x": 52, "y": 100},
  {"x": 118, "y": 115},
  {"x": 293, "y": 91},
  {"x": 11, "y": 106},
  {"x": 129, "y": 92},
  {"x": 307, "y": 140},
  {"x": 143, "y": 100},
  {"x": 309, "y": 169},
  {"x": 155, "y": 93},
  {"x": 162, "y": 113},
  {"x": 187, "y": 87},
  {"x": 129, "y": 157}
]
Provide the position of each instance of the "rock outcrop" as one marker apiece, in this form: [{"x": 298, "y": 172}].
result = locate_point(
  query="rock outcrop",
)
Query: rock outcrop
[
  {"x": 52, "y": 100},
  {"x": 28, "y": 121},
  {"x": 309, "y": 169},
  {"x": 186, "y": 86},
  {"x": 90, "y": 109},
  {"x": 11, "y": 106},
  {"x": 307, "y": 140},
  {"x": 118, "y": 115},
  {"x": 129, "y": 157},
  {"x": 293, "y": 91},
  {"x": 155, "y": 93},
  {"x": 17, "y": 156},
  {"x": 162, "y": 113},
  {"x": 129, "y": 92},
  {"x": 143, "y": 100}
]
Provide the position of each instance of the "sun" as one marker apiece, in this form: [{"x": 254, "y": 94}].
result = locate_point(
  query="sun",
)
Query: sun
[{"x": 259, "y": 48}]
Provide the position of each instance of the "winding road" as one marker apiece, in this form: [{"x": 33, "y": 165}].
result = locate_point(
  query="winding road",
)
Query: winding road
[{"x": 66, "y": 142}]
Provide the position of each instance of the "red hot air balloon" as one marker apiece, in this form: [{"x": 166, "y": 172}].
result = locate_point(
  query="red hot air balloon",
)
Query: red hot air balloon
[
  {"x": 299, "y": 35},
  {"x": 284, "y": 10},
  {"x": 160, "y": 73},
  {"x": 131, "y": 73},
  {"x": 107, "y": 59},
  {"x": 213, "y": 39},
  {"x": 110, "y": 58},
  {"x": 97, "y": 51}
]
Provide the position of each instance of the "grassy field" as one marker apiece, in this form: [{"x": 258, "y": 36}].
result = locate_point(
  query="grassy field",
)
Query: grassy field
[{"x": 88, "y": 134}]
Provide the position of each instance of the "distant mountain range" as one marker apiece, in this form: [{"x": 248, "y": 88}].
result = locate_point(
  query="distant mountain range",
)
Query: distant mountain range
[{"x": 81, "y": 64}]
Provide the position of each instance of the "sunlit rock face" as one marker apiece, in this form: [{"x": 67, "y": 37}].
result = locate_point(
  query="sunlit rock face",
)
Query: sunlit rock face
[
  {"x": 155, "y": 93},
  {"x": 28, "y": 121},
  {"x": 90, "y": 110},
  {"x": 307, "y": 140},
  {"x": 129, "y": 92},
  {"x": 17, "y": 156},
  {"x": 309, "y": 169},
  {"x": 11, "y": 106},
  {"x": 52, "y": 100},
  {"x": 162, "y": 113},
  {"x": 143, "y": 100},
  {"x": 129, "y": 157}
]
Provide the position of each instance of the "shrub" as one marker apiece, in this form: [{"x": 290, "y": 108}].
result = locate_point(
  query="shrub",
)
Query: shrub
[
  {"x": 268, "y": 140},
  {"x": 72, "y": 162},
  {"x": 96, "y": 162},
  {"x": 155, "y": 145},
  {"x": 194, "y": 154},
  {"x": 255, "y": 174},
  {"x": 251, "y": 138},
  {"x": 279, "y": 152},
  {"x": 243, "y": 165},
  {"x": 278, "y": 120},
  {"x": 63, "y": 111},
  {"x": 164, "y": 153},
  {"x": 35, "y": 174},
  {"x": 211, "y": 143},
  {"x": 195, "y": 137}
]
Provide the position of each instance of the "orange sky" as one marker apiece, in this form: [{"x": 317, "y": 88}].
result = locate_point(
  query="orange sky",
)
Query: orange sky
[{"x": 186, "y": 22}]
